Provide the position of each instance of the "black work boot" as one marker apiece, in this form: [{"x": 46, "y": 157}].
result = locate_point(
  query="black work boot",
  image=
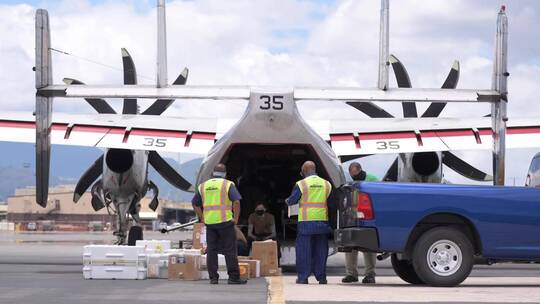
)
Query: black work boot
[
  {"x": 369, "y": 279},
  {"x": 349, "y": 279},
  {"x": 214, "y": 281},
  {"x": 298, "y": 281}
]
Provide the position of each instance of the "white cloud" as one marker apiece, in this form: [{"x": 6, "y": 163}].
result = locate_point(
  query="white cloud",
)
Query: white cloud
[{"x": 290, "y": 42}]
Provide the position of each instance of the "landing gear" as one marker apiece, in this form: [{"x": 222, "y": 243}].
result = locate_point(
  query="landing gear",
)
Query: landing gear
[{"x": 135, "y": 234}]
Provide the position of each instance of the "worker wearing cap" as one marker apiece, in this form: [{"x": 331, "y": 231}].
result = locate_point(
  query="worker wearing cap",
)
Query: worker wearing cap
[
  {"x": 311, "y": 193},
  {"x": 351, "y": 258},
  {"x": 217, "y": 204}
]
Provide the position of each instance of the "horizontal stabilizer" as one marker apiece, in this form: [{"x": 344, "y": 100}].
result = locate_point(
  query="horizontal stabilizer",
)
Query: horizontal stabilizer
[
  {"x": 100, "y": 105},
  {"x": 243, "y": 92}
]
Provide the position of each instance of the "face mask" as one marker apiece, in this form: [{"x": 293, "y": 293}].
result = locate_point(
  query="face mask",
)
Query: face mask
[
  {"x": 360, "y": 176},
  {"x": 260, "y": 211},
  {"x": 219, "y": 174},
  {"x": 301, "y": 174}
]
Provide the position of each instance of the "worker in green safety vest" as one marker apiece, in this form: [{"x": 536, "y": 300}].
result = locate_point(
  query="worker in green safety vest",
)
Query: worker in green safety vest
[
  {"x": 311, "y": 193},
  {"x": 217, "y": 204},
  {"x": 351, "y": 258}
]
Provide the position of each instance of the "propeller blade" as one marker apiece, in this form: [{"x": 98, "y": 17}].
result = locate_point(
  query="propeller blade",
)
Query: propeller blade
[
  {"x": 130, "y": 77},
  {"x": 160, "y": 105},
  {"x": 88, "y": 178},
  {"x": 463, "y": 168},
  {"x": 370, "y": 109},
  {"x": 168, "y": 172},
  {"x": 392, "y": 173},
  {"x": 403, "y": 81},
  {"x": 100, "y": 105},
  {"x": 155, "y": 201},
  {"x": 435, "y": 108}
]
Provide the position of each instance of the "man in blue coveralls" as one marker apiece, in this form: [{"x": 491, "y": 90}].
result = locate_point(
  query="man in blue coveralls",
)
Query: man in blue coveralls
[{"x": 311, "y": 193}]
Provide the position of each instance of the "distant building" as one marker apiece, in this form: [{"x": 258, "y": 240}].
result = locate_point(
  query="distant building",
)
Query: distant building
[
  {"x": 3, "y": 212},
  {"x": 22, "y": 208}
]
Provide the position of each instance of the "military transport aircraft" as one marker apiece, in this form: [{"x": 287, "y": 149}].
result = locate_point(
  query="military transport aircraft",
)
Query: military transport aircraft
[{"x": 270, "y": 140}]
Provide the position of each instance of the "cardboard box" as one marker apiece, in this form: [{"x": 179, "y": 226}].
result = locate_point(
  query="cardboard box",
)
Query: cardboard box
[
  {"x": 184, "y": 267},
  {"x": 266, "y": 252},
  {"x": 244, "y": 270},
  {"x": 254, "y": 266},
  {"x": 199, "y": 236}
]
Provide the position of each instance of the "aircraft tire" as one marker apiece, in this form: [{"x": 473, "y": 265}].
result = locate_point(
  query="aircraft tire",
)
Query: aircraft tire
[
  {"x": 135, "y": 233},
  {"x": 405, "y": 270},
  {"x": 443, "y": 257}
]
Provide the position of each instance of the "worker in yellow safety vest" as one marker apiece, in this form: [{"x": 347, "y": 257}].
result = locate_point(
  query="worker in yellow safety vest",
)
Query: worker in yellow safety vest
[
  {"x": 311, "y": 193},
  {"x": 217, "y": 204}
]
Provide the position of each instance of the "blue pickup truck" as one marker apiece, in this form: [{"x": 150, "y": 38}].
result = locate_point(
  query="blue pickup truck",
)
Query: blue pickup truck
[{"x": 435, "y": 233}]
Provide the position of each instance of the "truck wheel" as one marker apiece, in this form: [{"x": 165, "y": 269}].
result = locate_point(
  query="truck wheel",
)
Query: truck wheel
[
  {"x": 443, "y": 257},
  {"x": 135, "y": 234},
  {"x": 405, "y": 270}
]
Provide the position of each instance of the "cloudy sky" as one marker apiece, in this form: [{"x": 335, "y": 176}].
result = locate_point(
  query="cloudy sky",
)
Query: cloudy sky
[{"x": 286, "y": 42}]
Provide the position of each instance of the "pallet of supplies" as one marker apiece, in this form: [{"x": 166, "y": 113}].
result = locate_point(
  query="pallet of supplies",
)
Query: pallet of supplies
[
  {"x": 254, "y": 266},
  {"x": 266, "y": 252},
  {"x": 184, "y": 267},
  {"x": 155, "y": 246},
  {"x": 114, "y": 262}
]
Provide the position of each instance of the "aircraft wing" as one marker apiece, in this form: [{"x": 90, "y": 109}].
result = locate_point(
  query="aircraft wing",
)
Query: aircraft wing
[
  {"x": 137, "y": 132},
  {"x": 386, "y": 135}
]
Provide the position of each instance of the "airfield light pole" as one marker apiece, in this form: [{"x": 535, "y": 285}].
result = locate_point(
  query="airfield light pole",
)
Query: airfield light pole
[
  {"x": 162, "y": 45},
  {"x": 384, "y": 45},
  {"x": 498, "y": 109}
]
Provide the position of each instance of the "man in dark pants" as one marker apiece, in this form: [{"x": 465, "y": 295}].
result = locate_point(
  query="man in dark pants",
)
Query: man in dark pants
[
  {"x": 311, "y": 194},
  {"x": 217, "y": 204}
]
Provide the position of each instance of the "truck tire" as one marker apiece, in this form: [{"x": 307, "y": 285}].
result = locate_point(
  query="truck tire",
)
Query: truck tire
[
  {"x": 135, "y": 234},
  {"x": 405, "y": 270},
  {"x": 443, "y": 257}
]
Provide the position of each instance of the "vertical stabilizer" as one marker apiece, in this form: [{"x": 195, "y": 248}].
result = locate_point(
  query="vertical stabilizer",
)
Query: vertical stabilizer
[
  {"x": 384, "y": 45},
  {"x": 44, "y": 105},
  {"x": 162, "y": 45},
  {"x": 498, "y": 109}
]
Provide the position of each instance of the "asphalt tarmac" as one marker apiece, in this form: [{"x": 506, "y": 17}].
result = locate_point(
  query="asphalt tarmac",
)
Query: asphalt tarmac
[{"x": 46, "y": 268}]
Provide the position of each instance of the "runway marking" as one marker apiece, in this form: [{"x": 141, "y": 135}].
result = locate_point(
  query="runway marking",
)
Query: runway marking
[{"x": 275, "y": 290}]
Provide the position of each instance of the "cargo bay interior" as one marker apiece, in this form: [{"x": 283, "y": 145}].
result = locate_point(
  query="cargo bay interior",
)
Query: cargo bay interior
[{"x": 268, "y": 173}]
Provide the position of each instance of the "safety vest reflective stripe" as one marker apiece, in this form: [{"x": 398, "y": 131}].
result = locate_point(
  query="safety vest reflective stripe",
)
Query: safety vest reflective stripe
[
  {"x": 223, "y": 201},
  {"x": 304, "y": 199}
]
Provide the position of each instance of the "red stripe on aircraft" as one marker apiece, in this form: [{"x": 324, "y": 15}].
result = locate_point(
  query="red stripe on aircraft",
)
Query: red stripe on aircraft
[
  {"x": 17, "y": 124},
  {"x": 523, "y": 130},
  {"x": 202, "y": 135}
]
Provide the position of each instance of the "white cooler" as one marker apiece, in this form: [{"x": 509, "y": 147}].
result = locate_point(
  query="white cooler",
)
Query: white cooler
[
  {"x": 155, "y": 246},
  {"x": 114, "y": 262}
]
